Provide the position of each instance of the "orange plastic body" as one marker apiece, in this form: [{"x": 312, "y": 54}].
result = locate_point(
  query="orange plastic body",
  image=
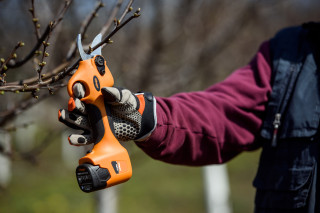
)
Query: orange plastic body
[{"x": 108, "y": 149}]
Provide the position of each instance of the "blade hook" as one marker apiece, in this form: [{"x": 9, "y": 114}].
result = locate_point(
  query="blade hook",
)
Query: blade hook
[{"x": 83, "y": 54}]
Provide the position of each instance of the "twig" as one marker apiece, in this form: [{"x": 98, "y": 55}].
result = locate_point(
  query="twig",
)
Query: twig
[
  {"x": 106, "y": 40},
  {"x": 106, "y": 27},
  {"x": 53, "y": 80},
  {"x": 64, "y": 9},
  {"x": 44, "y": 54},
  {"x": 32, "y": 155},
  {"x": 4, "y": 63},
  {"x": 48, "y": 30},
  {"x": 47, "y": 76},
  {"x": 35, "y": 20},
  {"x": 112, "y": 16},
  {"x": 16, "y": 64},
  {"x": 46, "y": 43},
  {"x": 127, "y": 10},
  {"x": 84, "y": 26},
  {"x": 58, "y": 74},
  {"x": 19, "y": 107},
  {"x": 14, "y": 128},
  {"x": 29, "y": 88},
  {"x": 88, "y": 20}
]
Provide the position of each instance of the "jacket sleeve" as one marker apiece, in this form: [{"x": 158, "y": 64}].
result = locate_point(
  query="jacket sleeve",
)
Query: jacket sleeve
[{"x": 214, "y": 125}]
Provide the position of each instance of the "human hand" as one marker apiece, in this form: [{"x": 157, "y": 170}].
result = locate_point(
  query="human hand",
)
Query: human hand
[{"x": 133, "y": 116}]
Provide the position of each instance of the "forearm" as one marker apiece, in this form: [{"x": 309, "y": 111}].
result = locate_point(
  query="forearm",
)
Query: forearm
[{"x": 214, "y": 125}]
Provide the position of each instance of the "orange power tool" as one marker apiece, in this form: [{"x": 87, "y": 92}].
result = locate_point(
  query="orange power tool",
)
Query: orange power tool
[{"x": 108, "y": 163}]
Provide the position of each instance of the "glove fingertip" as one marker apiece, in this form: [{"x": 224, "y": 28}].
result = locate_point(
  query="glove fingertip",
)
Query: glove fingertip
[
  {"x": 79, "y": 140},
  {"x": 69, "y": 139},
  {"x": 75, "y": 141},
  {"x": 71, "y": 104},
  {"x": 78, "y": 90},
  {"x": 111, "y": 94},
  {"x": 61, "y": 115}
]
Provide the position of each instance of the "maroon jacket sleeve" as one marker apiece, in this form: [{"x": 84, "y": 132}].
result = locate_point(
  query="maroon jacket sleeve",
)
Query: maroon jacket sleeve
[{"x": 214, "y": 125}]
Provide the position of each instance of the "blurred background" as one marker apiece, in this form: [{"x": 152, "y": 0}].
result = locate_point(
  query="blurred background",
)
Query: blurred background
[{"x": 174, "y": 46}]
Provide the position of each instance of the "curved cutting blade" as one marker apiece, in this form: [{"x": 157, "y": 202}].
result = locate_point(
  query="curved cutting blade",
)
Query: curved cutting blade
[
  {"x": 96, "y": 41},
  {"x": 83, "y": 54}
]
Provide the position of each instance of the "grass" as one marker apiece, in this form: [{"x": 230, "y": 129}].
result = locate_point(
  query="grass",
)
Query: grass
[
  {"x": 47, "y": 186},
  {"x": 160, "y": 187},
  {"x": 155, "y": 186},
  {"x": 242, "y": 171}
]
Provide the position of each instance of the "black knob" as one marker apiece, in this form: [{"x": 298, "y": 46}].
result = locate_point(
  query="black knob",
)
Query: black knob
[{"x": 99, "y": 61}]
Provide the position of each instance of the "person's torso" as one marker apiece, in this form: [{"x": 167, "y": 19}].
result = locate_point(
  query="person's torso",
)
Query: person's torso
[{"x": 287, "y": 174}]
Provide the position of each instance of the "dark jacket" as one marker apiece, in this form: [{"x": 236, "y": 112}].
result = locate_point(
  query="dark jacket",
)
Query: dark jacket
[{"x": 288, "y": 172}]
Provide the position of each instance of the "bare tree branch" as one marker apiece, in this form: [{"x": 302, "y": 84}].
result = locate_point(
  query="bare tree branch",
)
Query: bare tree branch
[
  {"x": 35, "y": 20},
  {"x": 45, "y": 35},
  {"x": 112, "y": 16},
  {"x": 19, "y": 107},
  {"x": 3, "y": 67},
  {"x": 84, "y": 26},
  {"x": 54, "y": 79},
  {"x": 32, "y": 155}
]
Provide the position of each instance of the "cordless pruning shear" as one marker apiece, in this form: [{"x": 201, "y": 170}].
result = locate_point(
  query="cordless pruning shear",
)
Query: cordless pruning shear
[{"x": 108, "y": 163}]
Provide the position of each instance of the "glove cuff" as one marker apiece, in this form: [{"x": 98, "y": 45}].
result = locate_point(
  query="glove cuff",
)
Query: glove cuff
[{"x": 149, "y": 115}]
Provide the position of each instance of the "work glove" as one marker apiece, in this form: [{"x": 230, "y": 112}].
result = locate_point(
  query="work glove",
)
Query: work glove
[{"x": 133, "y": 115}]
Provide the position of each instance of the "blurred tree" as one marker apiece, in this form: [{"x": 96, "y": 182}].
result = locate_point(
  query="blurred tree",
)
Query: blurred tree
[{"x": 181, "y": 45}]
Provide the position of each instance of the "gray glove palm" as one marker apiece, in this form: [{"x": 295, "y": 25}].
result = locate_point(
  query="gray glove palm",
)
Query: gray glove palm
[{"x": 133, "y": 115}]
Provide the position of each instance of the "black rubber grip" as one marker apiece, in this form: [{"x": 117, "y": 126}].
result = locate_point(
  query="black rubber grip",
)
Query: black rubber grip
[{"x": 95, "y": 119}]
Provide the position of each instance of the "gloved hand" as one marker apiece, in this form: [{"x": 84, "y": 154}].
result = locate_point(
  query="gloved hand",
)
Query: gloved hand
[{"x": 133, "y": 115}]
